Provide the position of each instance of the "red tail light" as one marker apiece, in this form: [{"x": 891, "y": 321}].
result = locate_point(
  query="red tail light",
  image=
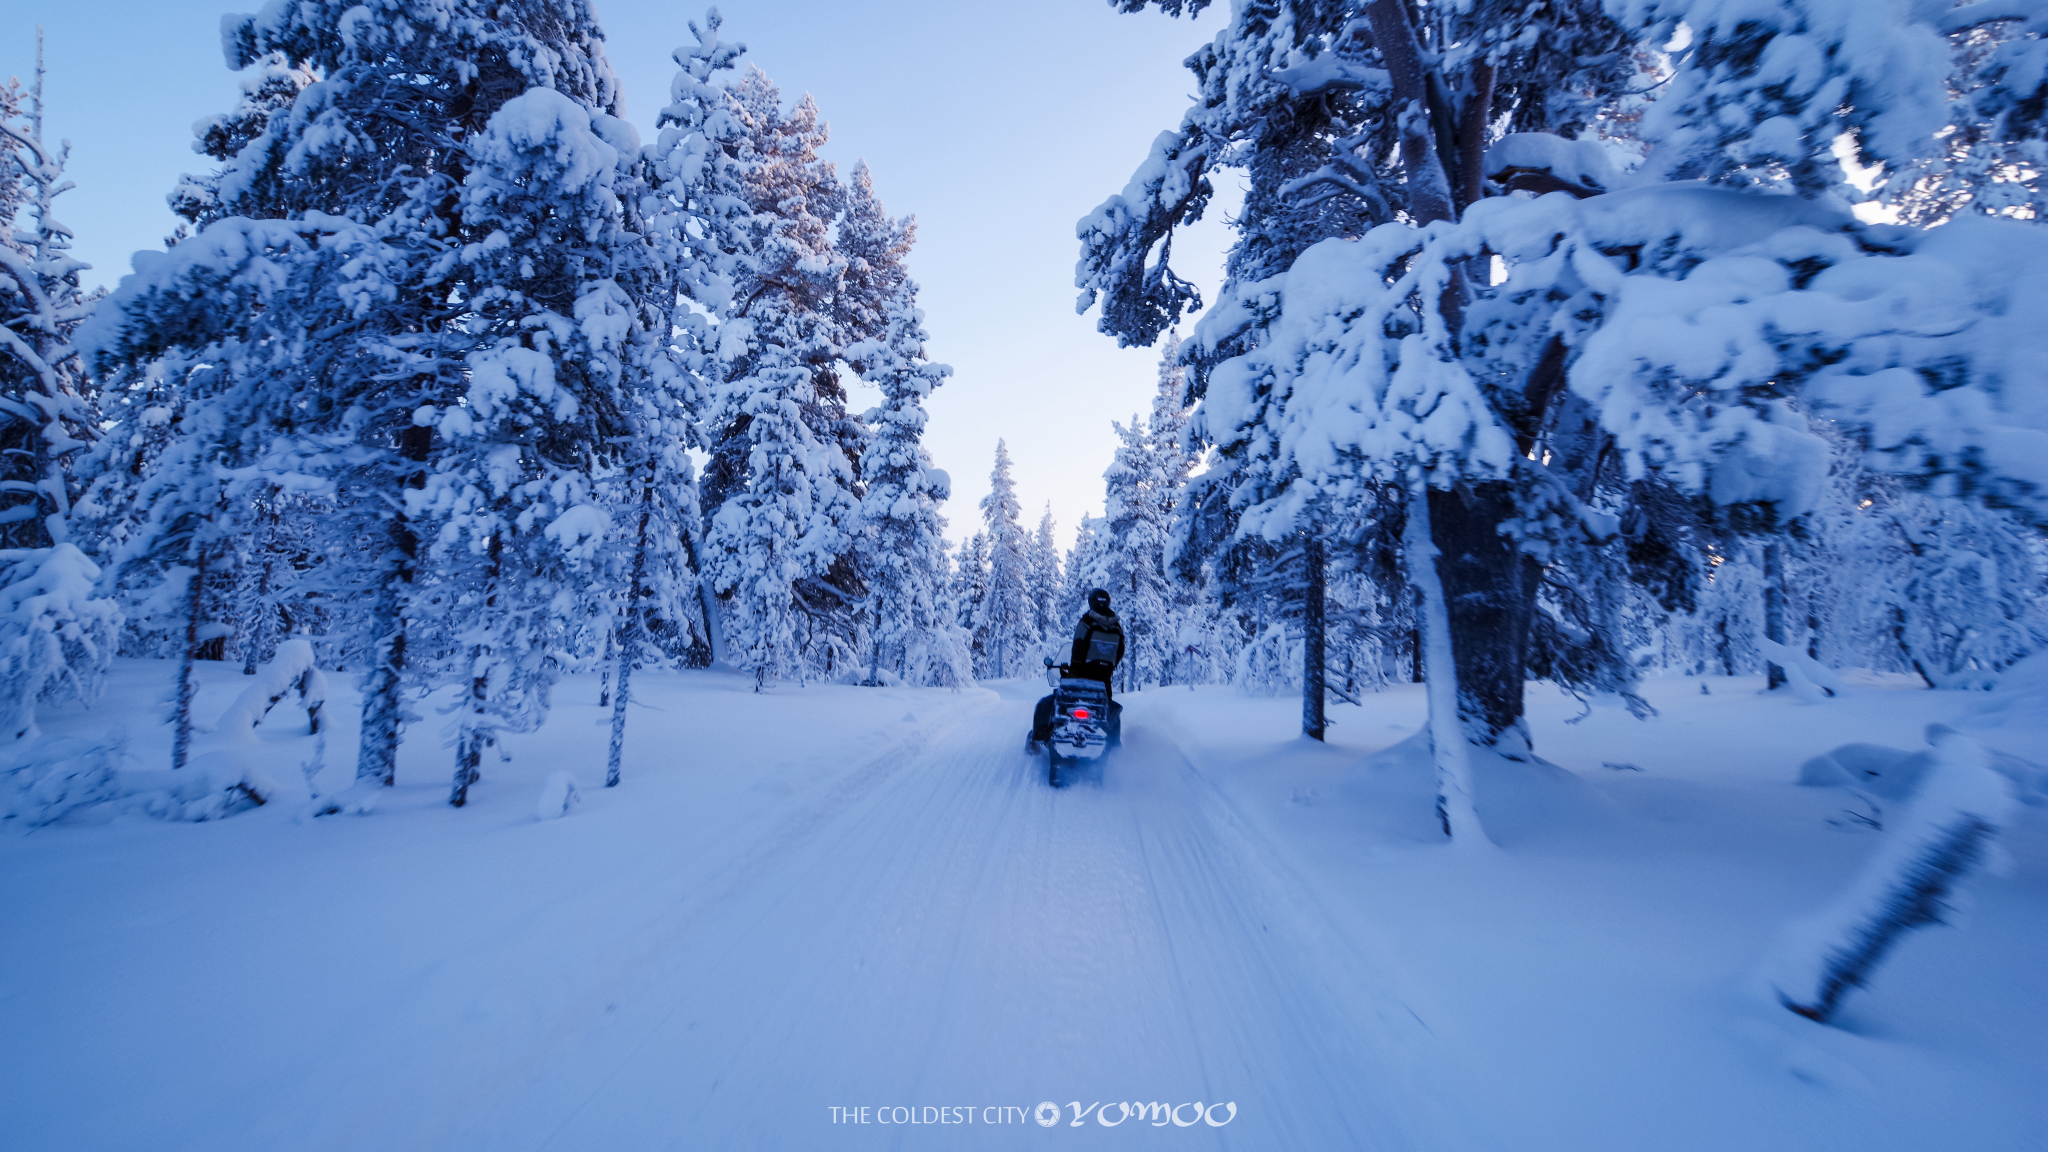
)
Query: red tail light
[{"x": 1080, "y": 713}]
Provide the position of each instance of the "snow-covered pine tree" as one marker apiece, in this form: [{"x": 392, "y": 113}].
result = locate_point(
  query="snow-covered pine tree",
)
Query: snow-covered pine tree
[
  {"x": 260, "y": 558},
  {"x": 566, "y": 322},
  {"x": 1539, "y": 411},
  {"x": 339, "y": 289},
  {"x": 57, "y": 635},
  {"x": 250, "y": 179},
  {"x": 875, "y": 247},
  {"x": 901, "y": 546},
  {"x": 1345, "y": 65},
  {"x": 1888, "y": 578},
  {"x": 779, "y": 491},
  {"x": 660, "y": 609},
  {"x": 1004, "y": 633},
  {"x": 700, "y": 220}
]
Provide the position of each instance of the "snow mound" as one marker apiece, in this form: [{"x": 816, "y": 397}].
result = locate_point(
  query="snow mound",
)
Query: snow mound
[
  {"x": 358, "y": 799},
  {"x": 1894, "y": 774},
  {"x": 2020, "y": 693},
  {"x": 88, "y": 779},
  {"x": 558, "y": 796},
  {"x": 1873, "y": 768},
  {"x": 217, "y": 784},
  {"x": 1809, "y": 679},
  {"x": 1519, "y": 796},
  {"x": 47, "y": 780},
  {"x": 292, "y": 669}
]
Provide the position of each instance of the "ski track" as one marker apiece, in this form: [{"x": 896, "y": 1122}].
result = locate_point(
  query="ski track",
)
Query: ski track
[{"x": 963, "y": 935}]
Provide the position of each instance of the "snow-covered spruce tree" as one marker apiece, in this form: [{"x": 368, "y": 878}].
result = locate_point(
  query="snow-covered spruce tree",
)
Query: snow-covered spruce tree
[
  {"x": 970, "y": 584},
  {"x": 1168, "y": 422},
  {"x": 335, "y": 279},
  {"x": 795, "y": 269},
  {"x": 1047, "y": 583},
  {"x": 1004, "y": 633},
  {"x": 1086, "y": 569},
  {"x": 901, "y": 546},
  {"x": 1135, "y": 564},
  {"x": 790, "y": 520},
  {"x": 1161, "y": 464},
  {"x": 57, "y": 635},
  {"x": 874, "y": 246}
]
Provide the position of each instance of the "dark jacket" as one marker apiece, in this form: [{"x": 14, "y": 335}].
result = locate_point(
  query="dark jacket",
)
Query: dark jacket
[{"x": 1098, "y": 635}]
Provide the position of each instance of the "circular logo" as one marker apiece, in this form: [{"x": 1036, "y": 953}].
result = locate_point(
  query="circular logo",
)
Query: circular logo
[{"x": 1047, "y": 1114}]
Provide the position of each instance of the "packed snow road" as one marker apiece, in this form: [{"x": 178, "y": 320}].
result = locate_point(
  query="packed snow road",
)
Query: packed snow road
[
  {"x": 869, "y": 929},
  {"x": 961, "y": 944}
]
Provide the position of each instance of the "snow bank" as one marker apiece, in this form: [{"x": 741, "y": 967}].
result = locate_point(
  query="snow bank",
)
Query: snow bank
[
  {"x": 1944, "y": 837},
  {"x": 87, "y": 780}
]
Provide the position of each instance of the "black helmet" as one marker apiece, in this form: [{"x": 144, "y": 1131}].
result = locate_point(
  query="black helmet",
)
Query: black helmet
[{"x": 1099, "y": 600}]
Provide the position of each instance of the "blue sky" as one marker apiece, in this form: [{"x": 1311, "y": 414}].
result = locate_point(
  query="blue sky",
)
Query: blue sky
[{"x": 997, "y": 124}]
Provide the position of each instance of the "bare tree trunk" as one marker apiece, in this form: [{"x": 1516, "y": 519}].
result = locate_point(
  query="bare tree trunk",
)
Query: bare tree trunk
[
  {"x": 1429, "y": 188},
  {"x": 630, "y": 637},
  {"x": 1313, "y": 637},
  {"x": 1489, "y": 595},
  {"x": 1449, "y": 744},
  {"x": 377, "y": 758},
  {"x": 1774, "y": 609},
  {"x": 476, "y": 732},
  {"x": 188, "y": 684},
  {"x": 257, "y": 611}
]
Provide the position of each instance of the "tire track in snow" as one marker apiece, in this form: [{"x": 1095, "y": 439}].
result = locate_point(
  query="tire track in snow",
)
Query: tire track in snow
[{"x": 964, "y": 935}]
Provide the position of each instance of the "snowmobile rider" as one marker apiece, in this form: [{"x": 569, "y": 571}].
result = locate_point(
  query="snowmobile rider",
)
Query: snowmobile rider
[{"x": 1098, "y": 649}]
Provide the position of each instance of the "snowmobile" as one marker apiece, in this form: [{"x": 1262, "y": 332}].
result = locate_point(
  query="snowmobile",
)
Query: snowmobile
[{"x": 1080, "y": 722}]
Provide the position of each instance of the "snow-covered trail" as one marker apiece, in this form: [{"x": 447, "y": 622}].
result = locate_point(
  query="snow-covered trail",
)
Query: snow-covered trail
[
  {"x": 963, "y": 936},
  {"x": 857, "y": 911}
]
